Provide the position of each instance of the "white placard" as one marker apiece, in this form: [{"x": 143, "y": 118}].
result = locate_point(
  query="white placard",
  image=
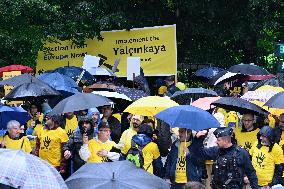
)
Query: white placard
[
  {"x": 133, "y": 66},
  {"x": 91, "y": 62}
]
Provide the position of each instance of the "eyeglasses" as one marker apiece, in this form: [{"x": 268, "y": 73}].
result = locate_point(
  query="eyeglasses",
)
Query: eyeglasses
[{"x": 247, "y": 120}]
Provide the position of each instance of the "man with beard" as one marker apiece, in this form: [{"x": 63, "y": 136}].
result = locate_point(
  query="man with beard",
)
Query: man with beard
[
  {"x": 231, "y": 163},
  {"x": 71, "y": 123},
  {"x": 72, "y": 147},
  {"x": 125, "y": 141},
  {"x": 267, "y": 158},
  {"x": 246, "y": 136}
]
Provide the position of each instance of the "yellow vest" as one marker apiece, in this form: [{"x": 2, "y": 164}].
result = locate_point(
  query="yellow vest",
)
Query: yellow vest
[
  {"x": 246, "y": 139},
  {"x": 71, "y": 125},
  {"x": 50, "y": 145},
  {"x": 264, "y": 162},
  {"x": 181, "y": 165},
  {"x": 20, "y": 144},
  {"x": 150, "y": 153},
  {"x": 94, "y": 146}
]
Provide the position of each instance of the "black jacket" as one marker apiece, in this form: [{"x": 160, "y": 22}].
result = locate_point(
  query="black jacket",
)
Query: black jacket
[
  {"x": 213, "y": 153},
  {"x": 115, "y": 128}
]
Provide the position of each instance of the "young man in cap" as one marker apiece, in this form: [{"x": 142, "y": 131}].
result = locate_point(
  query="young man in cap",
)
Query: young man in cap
[
  {"x": 231, "y": 163},
  {"x": 98, "y": 150}
]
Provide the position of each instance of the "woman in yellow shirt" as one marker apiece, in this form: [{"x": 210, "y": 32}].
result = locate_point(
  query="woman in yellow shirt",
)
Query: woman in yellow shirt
[{"x": 13, "y": 140}]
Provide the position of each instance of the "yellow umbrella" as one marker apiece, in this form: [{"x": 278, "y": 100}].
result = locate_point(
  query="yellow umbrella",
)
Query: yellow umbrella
[
  {"x": 269, "y": 87},
  {"x": 150, "y": 105},
  {"x": 274, "y": 111}
]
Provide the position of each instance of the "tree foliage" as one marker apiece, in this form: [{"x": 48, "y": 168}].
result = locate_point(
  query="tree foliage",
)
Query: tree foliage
[{"x": 220, "y": 32}]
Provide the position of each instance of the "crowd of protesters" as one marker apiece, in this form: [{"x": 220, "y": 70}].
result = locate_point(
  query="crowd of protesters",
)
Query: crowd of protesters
[{"x": 247, "y": 151}]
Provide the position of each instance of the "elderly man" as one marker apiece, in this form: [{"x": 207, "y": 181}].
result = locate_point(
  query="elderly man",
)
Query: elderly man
[{"x": 13, "y": 139}]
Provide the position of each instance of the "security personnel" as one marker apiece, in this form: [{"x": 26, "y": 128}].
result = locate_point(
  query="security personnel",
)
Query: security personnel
[{"x": 231, "y": 163}]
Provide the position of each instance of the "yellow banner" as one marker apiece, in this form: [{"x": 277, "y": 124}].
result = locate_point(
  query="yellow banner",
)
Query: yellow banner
[
  {"x": 7, "y": 75},
  {"x": 156, "y": 47}
]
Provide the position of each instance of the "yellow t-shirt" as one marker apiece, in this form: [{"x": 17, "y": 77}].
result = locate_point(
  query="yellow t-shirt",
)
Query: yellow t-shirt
[
  {"x": 17, "y": 144},
  {"x": 94, "y": 146},
  {"x": 50, "y": 145},
  {"x": 231, "y": 119},
  {"x": 71, "y": 125},
  {"x": 246, "y": 139},
  {"x": 264, "y": 162},
  {"x": 125, "y": 140},
  {"x": 181, "y": 164},
  {"x": 150, "y": 152},
  {"x": 36, "y": 132},
  {"x": 40, "y": 118}
]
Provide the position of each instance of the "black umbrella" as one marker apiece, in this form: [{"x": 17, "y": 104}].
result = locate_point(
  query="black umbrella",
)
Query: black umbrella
[
  {"x": 119, "y": 175},
  {"x": 30, "y": 90},
  {"x": 248, "y": 69},
  {"x": 239, "y": 105},
  {"x": 80, "y": 101},
  {"x": 276, "y": 101},
  {"x": 19, "y": 80},
  {"x": 132, "y": 93},
  {"x": 189, "y": 95},
  {"x": 274, "y": 81}
]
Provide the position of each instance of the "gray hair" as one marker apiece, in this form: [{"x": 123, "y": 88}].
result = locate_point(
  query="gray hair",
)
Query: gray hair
[{"x": 12, "y": 124}]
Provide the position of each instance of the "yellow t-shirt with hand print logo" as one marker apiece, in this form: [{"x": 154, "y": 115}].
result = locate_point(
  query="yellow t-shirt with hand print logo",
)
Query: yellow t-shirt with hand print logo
[
  {"x": 94, "y": 146},
  {"x": 246, "y": 139},
  {"x": 50, "y": 145},
  {"x": 264, "y": 162},
  {"x": 71, "y": 125},
  {"x": 181, "y": 164}
]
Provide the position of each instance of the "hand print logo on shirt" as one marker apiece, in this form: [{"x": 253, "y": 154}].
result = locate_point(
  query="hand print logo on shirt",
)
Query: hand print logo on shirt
[
  {"x": 260, "y": 158},
  {"x": 247, "y": 146},
  {"x": 46, "y": 142},
  {"x": 181, "y": 163},
  {"x": 69, "y": 132}
]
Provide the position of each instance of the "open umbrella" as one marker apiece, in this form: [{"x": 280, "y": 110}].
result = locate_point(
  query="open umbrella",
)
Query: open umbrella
[
  {"x": 276, "y": 101},
  {"x": 15, "y": 67},
  {"x": 205, "y": 103},
  {"x": 189, "y": 117},
  {"x": 228, "y": 76},
  {"x": 118, "y": 175},
  {"x": 208, "y": 72},
  {"x": 189, "y": 95},
  {"x": 30, "y": 90},
  {"x": 132, "y": 93},
  {"x": 74, "y": 73},
  {"x": 59, "y": 82},
  {"x": 80, "y": 101},
  {"x": 274, "y": 81},
  {"x": 248, "y": 69},
  {"x": 273, "y": 111},
  {"x": 239, "y": 105},
  {"x": 8, "y": 113},
  {"x": 121, "y": 101},
  {"x": 150, "y": 105},
  {"x": 259, "y": 95},
  {"x": 26, "y": 171},
  {"x": 19, "y": 80}
]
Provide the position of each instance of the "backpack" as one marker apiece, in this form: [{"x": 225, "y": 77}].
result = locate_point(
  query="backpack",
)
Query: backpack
[{"x": 135, "y": 156}]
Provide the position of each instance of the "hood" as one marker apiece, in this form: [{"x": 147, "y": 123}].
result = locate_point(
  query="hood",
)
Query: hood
[
  {"x": 141, "y": 139},
  {"x": 95, "y": 110},
  {"x": 267, "y": 132}
]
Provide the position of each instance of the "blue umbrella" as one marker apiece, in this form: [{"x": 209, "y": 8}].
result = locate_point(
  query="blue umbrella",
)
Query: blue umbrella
[
  {"x": 74, "y": 73},
  {"x": 13, "y": 113},
  {"x": 59, "y": 82},
  {"x": 189, "y": 117},
  {"x": 208, "y": 72}
]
